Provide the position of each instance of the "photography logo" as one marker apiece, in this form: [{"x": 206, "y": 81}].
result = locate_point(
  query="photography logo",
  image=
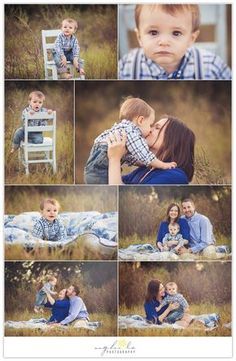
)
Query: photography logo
[{"x": 119, "y": 347}]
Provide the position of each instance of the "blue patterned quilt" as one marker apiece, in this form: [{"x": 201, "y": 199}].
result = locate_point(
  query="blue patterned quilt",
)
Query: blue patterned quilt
[{"x": 103, "y": 226}]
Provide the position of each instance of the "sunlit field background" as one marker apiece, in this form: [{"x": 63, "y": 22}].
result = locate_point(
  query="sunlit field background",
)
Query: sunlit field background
[
  {"x": 98, "y": 289},
  {"x": 20, "y": 199},
  {"x": 59, "y": 97},
  {"x": 96, "y": 34},
  {"x": 204, "y": 106},
  {"x": 205, "y": 285},
  {"x": 142, "y": 209}
]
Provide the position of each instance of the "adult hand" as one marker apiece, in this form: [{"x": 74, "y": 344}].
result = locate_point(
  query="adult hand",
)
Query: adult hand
[{"x": 116, "y": 145}]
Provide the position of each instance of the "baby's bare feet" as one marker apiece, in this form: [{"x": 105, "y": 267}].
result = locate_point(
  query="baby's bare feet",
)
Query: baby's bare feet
[{"x": 66, "y": 76}]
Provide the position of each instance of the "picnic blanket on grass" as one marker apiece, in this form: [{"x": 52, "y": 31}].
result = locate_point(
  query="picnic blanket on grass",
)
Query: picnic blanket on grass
[
  {"x": 146, "y": 252},
  {"x": 210, "y": 321},
  {"x": 41, "y": 323},
  {"x": 102, "y": 226}
]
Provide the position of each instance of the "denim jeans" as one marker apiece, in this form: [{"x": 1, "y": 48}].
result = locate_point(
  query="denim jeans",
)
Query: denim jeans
[
  {"x": 174, "y": 315},
  {"x": 41, "y": 298},
  {"x": 57, "y": 59},
  {"x": 96, "y": 169},
  {"x": 33, "y": 137}
]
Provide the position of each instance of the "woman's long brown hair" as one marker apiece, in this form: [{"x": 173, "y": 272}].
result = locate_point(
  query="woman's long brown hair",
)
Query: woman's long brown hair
[
  {"x": 178, "y": 146},
  {"x": 152, "y": 290}
]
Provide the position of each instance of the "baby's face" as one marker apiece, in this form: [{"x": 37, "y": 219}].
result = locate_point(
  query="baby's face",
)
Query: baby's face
[
  {"x": 173, "y": 230},
  {"x": 50, "y": 212},
  {"x": 36, "y": 103},
  {"x": 171, "y": 290},
  {"x": 146, "y": 125},
  {"x": 165, "y": 38},
  {"x": 67, "y": 28},
  {"x": 53, "y": 281}
]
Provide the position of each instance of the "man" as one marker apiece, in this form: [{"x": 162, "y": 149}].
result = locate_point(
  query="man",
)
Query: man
[
  {"x": 201, "y": 231},
  {"x": 77, "y": 310}
]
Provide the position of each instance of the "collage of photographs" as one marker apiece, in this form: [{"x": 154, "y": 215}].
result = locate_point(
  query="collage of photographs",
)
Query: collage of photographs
[{"x": 117, "y": 215}]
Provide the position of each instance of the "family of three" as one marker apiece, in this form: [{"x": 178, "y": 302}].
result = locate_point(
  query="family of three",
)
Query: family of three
[
  {"x": 68, "y": 308},
  {"x": 190, "y": 233}
]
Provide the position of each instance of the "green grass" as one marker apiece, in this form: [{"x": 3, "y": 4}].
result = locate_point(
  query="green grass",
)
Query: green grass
[
  {"x": 96, "y": 36},
  {"x": 108, "y": 327},
  {"x": 223, "y": 310},
  {"x": 41, "y": 173}
]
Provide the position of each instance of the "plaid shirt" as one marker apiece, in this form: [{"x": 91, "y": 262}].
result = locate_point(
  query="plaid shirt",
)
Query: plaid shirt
[
  {"x": 135, "y": 65},
  {"x": 49, "y": 231},
  {"x": 48, "y": 287},
  {"x": 33, "y": 122},
  {"x": 175, "y": 298},
  {"x": 64, "y": 43},
  {"x": 136, "y": 145},
  {"x": 178, "y": 237}
]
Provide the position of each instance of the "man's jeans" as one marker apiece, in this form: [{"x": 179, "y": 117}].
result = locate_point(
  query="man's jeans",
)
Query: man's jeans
[{"x": 33, "y": 137}]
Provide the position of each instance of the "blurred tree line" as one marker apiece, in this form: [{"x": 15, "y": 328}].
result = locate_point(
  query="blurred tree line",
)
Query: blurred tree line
[
  {"x": 142, "y": 209},
  {"x": 20, "y": 199},
  {"x": 199, "y": 282},
  {"x": 204, "y": 106},
  {"x": 97, "y": 282}
]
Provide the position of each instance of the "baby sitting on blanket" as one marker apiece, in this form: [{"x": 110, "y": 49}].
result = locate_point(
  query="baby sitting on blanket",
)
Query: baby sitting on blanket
[
  {"x": 174, "y": 297},
  {"x": 49, "y": 227},
  {"x": 174, "y": 238}
]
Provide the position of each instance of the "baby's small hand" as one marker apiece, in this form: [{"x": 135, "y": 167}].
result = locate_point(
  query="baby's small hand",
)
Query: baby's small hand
[
  {"x": 169, "y": 165},
  {"x": 82, "y": 72},
  {"x": 63, "y": 60},
  {"x": 31, "y": 112},
  {"x": 165, "y": 248},
  {"x": 50, "y": 111}
]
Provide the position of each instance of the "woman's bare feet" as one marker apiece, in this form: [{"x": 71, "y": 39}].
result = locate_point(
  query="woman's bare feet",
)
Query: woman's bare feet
[{"x": 66, "y": 76}]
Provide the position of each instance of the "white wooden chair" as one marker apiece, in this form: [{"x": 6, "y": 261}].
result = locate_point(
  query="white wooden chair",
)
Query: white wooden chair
[
  {"x": 48, "y": 40},
  {"x": 28, "y": 151}
]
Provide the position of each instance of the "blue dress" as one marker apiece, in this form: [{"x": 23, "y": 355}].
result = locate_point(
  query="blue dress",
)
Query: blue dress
[
  {"x": 163, "y": 229},
  {"x": 60, "y": 310},
  {"x": 156, "y": 176},
  {"x": 151, "y": 313}
]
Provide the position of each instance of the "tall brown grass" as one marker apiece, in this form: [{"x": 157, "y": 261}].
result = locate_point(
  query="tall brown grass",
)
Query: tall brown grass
[
  {"x": 59, "y": 97},
  {"x": 20, "y": 199},
  {"x": 205, "y": 107},
  {"x": 96, "y": 35},
  {"x": 142, "y": 209},
  {"x": 199, "y": 282}
]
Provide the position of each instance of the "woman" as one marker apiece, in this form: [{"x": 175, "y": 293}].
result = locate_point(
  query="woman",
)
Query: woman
[
  {"x": 173, "y": 216},
  {"x": 170, "y": 140},
  {"x": 60, "y": 307},
  {"x": 154, "y": 296}
]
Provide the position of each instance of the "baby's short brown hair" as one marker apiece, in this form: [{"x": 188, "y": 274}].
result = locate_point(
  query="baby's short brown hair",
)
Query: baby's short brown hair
[
  {"x": 36, "y": 93},
  {"x": 133, "y": 107},
  {"x": 172, "y": 9},
  {"x": 52, "y": 201},
  {"x": 71, "y": 21}
]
